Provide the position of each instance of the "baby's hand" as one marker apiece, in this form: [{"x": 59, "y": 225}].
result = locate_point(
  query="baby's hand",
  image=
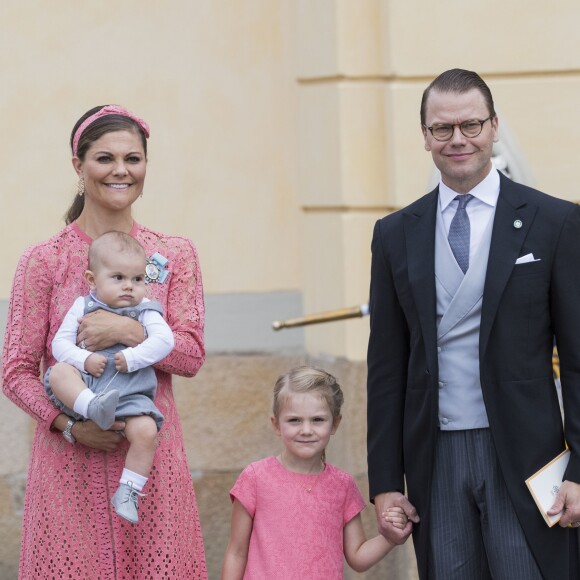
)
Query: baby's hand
[
  {"x": 120, "y": 362},
  {"x": 95, "y": 364},
  {"x": 396, "y": 517}
]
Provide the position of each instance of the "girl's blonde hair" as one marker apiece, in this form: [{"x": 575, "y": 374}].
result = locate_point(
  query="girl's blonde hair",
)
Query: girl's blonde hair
[{"x": 308, "y": 380}]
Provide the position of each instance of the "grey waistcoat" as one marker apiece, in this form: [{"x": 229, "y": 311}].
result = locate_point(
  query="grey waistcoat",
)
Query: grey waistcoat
[{"x": 459, "y": 299}]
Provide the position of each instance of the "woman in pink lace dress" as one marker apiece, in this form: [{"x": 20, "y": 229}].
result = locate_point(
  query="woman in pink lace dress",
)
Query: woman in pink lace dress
[{"x": 69, "y": 529}]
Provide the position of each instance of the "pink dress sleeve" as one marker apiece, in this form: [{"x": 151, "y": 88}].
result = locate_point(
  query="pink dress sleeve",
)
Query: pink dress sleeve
[
  {"x": 184, "y": 309},
  {"x": 354, "y": 503},
  {"x": 26, "y": 335},
  {"x": 244, "y": 490}
]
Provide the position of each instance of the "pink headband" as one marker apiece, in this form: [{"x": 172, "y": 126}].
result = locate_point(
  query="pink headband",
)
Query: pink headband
[{"x": 107, "y": 110}]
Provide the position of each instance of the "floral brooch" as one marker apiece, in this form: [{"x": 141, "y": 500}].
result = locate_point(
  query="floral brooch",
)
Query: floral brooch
[{"x": 155, "y": 269}]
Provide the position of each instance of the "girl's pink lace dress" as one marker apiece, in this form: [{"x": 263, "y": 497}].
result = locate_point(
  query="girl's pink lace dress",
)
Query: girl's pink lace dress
[
  {"x": 69, "y": 528},
  {"x": 298, "y": 520}
]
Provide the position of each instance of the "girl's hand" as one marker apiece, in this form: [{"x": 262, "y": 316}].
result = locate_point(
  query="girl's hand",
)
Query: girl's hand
[
  {"x": 90, "y": 434},
  {"x": 95, "y": 364},
  {"x": 395, "y": 516},
  {"x": 384, "y": 503}
]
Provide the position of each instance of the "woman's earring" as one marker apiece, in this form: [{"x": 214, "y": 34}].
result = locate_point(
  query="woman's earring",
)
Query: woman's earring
[{"x": 81, "y": 187}]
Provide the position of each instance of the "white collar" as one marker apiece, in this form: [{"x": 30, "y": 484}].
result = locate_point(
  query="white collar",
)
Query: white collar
[
  {"x": 487, "y": 191},
  {"x": 96, "y": 299}
]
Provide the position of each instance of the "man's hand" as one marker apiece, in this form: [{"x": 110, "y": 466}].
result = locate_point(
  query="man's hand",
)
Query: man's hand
[
  {"x": 568, "y": 502},
  {"x": 95, "y": 364},
  {"x": 120, "y": 362},
  {"x": 393, "y": 534}
]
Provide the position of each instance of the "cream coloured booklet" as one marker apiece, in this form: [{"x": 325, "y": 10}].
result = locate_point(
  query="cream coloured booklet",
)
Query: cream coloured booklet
[{"x": 545, "y": 484}]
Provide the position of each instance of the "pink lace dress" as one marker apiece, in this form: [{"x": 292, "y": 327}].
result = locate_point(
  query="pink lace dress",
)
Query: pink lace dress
[{"x": 69, "y": 529}]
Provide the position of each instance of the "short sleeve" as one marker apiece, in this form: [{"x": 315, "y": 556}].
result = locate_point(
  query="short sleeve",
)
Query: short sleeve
[
  {"x": 354, "y": 503},
  {"x": 244, "y": 490}
]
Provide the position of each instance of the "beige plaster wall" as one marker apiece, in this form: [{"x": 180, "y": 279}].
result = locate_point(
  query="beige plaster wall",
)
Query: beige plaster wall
[
  {"x": 216, "y": 81},
  {"x": 341, "y": 278},
  {"x": 494, "y": 36},
  {"x": 415, "y": 38}
]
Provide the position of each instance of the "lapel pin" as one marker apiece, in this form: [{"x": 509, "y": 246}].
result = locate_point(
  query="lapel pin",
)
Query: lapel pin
[{"x": 518, "y": 224}]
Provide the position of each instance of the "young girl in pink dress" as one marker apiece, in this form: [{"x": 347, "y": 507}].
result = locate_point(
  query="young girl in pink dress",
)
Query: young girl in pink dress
[{"x": 294, "y": 515}]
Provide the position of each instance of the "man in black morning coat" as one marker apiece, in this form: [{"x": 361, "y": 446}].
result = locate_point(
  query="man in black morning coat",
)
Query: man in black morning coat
[{"x": 469, "y": 286}]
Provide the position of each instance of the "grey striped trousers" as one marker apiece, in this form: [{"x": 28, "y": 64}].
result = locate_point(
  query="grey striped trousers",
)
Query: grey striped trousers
[{"x": 474, "y": 531}]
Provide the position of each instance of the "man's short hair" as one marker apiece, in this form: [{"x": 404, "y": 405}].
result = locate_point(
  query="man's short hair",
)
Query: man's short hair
[{"x": 458, "y": 80}]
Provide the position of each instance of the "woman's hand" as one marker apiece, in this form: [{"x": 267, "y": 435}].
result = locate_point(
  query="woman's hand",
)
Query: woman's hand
[
  {"x": 90, "y": 434},
  {"x": 101, "y": 329}
]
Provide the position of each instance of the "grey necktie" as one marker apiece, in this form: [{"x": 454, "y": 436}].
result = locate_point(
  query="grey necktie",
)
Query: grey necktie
[{"x": 459, "y": 232}]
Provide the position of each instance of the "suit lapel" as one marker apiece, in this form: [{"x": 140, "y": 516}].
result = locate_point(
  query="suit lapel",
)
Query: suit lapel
[
  {"x": 419, "y": 225},
  {"x": 506, "y": 242}
]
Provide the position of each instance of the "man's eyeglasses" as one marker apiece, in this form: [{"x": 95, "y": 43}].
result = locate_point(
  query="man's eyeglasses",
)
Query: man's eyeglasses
[{"x": 470, "y": 128}]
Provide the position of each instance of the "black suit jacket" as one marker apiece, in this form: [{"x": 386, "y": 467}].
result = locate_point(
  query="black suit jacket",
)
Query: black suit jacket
[{"x": 523, "y": 308}]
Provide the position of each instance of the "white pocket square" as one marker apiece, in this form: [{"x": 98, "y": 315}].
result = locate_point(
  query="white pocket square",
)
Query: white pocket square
[{"x": 527, "y": 258}]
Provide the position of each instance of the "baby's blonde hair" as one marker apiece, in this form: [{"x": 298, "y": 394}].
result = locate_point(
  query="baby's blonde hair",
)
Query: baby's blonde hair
[
  {"x": 113, "y": 242},
  {"x": 306, "y": 379}
]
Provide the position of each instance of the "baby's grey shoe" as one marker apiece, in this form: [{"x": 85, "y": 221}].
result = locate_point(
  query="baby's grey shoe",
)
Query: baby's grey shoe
[
  {"x": 102, "y": 409},
  {"x": 125, "y": 501}
]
